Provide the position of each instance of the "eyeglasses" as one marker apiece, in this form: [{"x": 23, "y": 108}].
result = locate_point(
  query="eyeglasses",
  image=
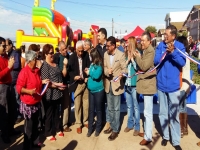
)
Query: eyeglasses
[
  {"x": 167, "y": 35},
  {"x": 4, "y": 46},
  {"x": 51, "y": 53}
]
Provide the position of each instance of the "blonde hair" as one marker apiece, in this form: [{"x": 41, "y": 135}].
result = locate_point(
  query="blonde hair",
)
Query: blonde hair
[{"x": 132, "y": 45}]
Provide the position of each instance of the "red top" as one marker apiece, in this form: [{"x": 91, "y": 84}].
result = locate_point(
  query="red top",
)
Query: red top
[
  {"x": 5, "y": 76},
  {"x": 29, "y": 79}
]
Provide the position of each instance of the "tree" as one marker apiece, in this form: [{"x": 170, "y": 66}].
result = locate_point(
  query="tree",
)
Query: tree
[
  {"x": 183, "y": 33},
  {"x": 151, "y": 29}
]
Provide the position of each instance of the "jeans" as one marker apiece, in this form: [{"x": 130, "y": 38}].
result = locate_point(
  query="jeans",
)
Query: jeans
[
  {"x": 169, "y": 105},
  {"x": 182, "y": 104},
  {"x": 18, "y": 102},
  {"x": 133, "y": 108},
  {"x": 95, "y": 103},
  {"x": 113, "y": 102},
  {"x": 105, "y": 116},
  {"x": 148, "y": 117}
]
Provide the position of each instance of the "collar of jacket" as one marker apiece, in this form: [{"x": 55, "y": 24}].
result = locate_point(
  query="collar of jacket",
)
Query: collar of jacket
[{"x": 114, "y": 52}]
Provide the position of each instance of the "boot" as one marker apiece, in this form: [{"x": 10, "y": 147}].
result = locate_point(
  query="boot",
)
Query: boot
[
  {"x": 181, "y": 123},
  {"x": 185, "y": 124}
]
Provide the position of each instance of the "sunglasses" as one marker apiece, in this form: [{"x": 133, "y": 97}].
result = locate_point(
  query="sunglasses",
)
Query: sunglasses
[{"x": 51, "y": 53}]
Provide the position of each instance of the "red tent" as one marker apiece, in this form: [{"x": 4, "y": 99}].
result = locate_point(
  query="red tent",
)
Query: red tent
[
  {"x": 137, "y": 32},
  {"x": 152, "y": 35}
]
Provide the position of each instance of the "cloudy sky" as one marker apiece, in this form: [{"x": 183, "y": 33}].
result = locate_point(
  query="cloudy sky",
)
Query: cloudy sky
[{"x": 127, "y": 14}]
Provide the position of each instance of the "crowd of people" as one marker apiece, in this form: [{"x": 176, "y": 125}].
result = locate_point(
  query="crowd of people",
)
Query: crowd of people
[
  {"x": 194, "y": 47},
  {"x": 37, "y": 87}
]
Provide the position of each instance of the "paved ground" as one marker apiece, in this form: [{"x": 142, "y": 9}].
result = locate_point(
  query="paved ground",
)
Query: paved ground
[{"x": 125, "y": 141}]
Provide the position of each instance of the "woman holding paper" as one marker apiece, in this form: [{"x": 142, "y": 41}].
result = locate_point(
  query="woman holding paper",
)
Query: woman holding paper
[
  {"x": 29, "y": 85},
  {"x": 53, "y": 95}
]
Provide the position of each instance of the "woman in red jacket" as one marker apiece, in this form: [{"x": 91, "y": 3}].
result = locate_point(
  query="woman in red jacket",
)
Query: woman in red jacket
[{"x": 29, "y": 86}]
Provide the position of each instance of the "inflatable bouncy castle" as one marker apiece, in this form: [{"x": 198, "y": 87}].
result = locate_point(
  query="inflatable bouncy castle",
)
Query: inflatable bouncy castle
[{"x": 50, "y": 26}]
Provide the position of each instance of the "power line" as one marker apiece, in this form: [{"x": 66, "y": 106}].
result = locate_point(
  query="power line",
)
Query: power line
[
  {"x": 29, "y": 14},
  {"x": 20, "y": 3},
  {"x": 119, "y": 11},
  {"x": 31, "y": 7},
  {"x": 142, "y": 3},
  {"x": 26, "y": 13},
  {"x": 99, "y": 5}
]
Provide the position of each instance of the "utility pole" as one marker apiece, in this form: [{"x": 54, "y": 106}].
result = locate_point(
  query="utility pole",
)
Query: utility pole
[
  {"x": 112, "y": 26},
  {"x": 120, "y": 34}
]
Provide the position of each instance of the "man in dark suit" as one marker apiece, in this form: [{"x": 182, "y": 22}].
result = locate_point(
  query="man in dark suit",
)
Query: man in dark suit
[
  {"x": 77, "y": 63},
  {"x": 102, "y": 36}
]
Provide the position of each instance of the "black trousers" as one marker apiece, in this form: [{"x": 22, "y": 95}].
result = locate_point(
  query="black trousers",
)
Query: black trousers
[
  {"x": 52, "y": 117},
  {"x": 7, "y": 110},
  {"x": 31, "y": 133}
]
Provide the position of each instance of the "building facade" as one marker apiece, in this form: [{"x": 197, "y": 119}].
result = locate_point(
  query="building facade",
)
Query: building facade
[
  {"x": 176, "y": 18},
  {"x": 192, "y": 22}
]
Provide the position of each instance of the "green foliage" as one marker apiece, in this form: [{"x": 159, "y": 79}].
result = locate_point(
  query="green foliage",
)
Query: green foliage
[
  {"x": 184, "y": 33},
  {"x": 151, "y": 29},
  {"x": 196, "y": 76}
]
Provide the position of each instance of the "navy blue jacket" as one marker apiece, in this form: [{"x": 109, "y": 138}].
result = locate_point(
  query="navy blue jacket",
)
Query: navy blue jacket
[
  {"x": 101, "y": 50},
  {"x": 121, "y": 48},
  {"x": 16, "y": 66}
]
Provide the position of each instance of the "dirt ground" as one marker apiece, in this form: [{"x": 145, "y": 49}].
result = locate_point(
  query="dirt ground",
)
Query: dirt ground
[{"x": 125, "y": 141}]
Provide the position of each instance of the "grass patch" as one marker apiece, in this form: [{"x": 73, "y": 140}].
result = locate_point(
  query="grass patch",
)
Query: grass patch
[{"x": 196, "y": 76}]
